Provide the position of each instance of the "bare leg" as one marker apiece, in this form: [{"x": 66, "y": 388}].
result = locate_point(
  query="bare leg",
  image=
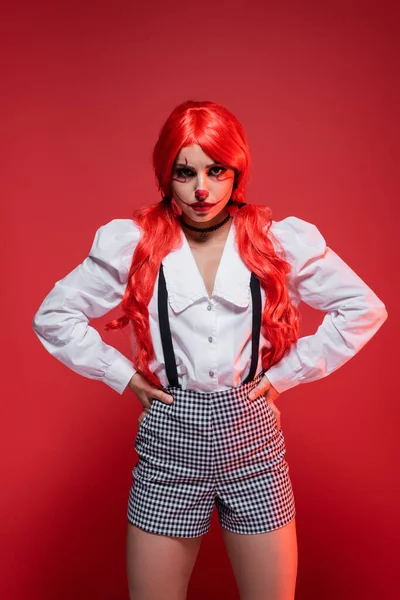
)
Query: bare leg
[
  {"x": 264, "y": 565},
  {"x": 158, "y": 566}
]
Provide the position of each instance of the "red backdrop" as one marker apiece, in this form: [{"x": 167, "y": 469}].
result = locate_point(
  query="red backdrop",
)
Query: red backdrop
[{"x": 87, "y": 87}]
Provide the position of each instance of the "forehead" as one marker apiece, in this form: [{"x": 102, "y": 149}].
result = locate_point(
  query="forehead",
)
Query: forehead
[{"x": 193, "y": 155}]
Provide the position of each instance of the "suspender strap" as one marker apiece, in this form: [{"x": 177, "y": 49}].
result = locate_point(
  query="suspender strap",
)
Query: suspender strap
[
  {"x": 255, "y": 337},
  {"x": 165, "y": 330}
]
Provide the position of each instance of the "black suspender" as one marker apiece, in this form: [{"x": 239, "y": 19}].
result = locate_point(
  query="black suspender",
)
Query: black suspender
[
  {"x": 255, "y": 336},
  {"x": 165, "y": 330}
]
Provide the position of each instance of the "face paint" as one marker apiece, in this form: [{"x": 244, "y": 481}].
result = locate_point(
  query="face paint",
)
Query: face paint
[
  {"x": 201, "y": 193},
  {"x": 191, "y": 182}
]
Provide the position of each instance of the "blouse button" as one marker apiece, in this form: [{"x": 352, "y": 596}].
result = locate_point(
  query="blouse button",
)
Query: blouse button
[
  {"x": 209, "y": 307},
  {"x": 211, "y": 373},
  {"x": 210, "y": 339}
]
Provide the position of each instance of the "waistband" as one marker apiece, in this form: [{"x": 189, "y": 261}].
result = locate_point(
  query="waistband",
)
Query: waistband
[{"x": 243, "y": 388}]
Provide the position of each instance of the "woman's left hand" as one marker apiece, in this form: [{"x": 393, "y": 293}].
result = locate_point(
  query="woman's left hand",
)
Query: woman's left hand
[{"x": 266, "y": 389}]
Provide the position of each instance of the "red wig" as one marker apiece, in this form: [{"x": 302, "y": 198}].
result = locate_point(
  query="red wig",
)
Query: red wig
[{"x": 223, "y": 139}]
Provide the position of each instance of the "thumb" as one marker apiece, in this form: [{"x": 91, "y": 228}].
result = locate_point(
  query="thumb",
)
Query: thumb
[
  {"x": 163, "y": 396},
  {"x": 260, "y": 389}
]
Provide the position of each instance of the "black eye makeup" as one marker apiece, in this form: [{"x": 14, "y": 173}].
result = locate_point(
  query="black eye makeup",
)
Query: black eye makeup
[{"x": 188, "y": 172}]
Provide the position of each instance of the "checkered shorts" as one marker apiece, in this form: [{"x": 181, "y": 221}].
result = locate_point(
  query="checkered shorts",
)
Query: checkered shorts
[{"x": 210, "y": 447}]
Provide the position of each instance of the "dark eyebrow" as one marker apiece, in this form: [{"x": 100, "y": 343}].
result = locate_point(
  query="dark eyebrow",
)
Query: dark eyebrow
[{"x": 190, "y": 166}]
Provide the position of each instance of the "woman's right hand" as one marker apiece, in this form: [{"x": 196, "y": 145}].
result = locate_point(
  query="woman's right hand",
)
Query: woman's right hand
[{"x": 146, "y": 393}]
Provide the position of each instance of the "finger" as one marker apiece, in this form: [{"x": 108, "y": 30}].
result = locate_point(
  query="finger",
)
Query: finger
[
  {"x": 142, "y": 415},
  {"x": 163, "y": 396},
  {"x": 260, "y": 389},
  {"x": 272, "y": 393},
  {"x": 278, "y": 422},
  {"x": 276, "y": 412},
  {"x": 146, "y": 391},
  {"x": 145, "y": 400},
  {"x": 278, "y": 418}
]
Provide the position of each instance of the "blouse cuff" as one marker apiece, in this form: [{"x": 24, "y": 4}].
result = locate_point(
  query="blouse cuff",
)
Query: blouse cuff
[
  {"x": 119, "y": 374},
  {"x": 284, "y": 375}
]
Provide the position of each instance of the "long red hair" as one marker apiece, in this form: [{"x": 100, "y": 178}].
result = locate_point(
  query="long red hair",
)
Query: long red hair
[{"x": 222, "y": 138}]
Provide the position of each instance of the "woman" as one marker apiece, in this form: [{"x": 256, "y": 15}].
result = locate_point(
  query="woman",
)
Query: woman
[{"x": 210, "y": 287}]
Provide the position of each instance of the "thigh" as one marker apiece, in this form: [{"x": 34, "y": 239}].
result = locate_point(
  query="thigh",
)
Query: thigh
[
  {"x": 159, "y": 566},
  {"x": 265, "y": 564}
]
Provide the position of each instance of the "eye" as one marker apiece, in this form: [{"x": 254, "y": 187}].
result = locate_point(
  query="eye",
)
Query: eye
[
  {"x": 220, "y": 169},
  {"x": 184, "y": 172}
]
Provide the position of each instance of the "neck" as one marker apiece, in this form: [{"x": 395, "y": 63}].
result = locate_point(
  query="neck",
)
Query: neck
[
  {"x": 209, "y": 236},
  {"x": 203, "y": 224}
]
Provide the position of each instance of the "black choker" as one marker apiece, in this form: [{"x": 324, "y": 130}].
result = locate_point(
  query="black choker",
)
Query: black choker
[{"x": 204, "y": 230}]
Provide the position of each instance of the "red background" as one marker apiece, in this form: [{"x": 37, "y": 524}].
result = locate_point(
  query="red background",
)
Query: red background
[{"x": 86, "y": 88}]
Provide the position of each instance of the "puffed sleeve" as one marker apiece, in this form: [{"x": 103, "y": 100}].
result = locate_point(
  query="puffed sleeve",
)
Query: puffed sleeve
[
  {"x": 321, "y": 279},
  {"x": 91, "y": 290}
]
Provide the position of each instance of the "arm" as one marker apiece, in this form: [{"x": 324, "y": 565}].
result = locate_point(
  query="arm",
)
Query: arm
[
  {"x": 91, "y": 290},
  {"x": 321, "y": 279}
]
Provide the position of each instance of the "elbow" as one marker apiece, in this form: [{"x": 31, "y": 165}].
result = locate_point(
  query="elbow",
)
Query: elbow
[
  {"x": 35, "y": 322},
  {"x": 39, "y": 328},
  {"x": 368, "y": 321},
  {"x": 384, "y": 313},
  {"x": 375, "y": 309},
  {"x": 380, "y": 313},
  {"x": 38, "y": 317},
  {"x": 45, "y": 327},
  {"x": 376, "y": 315}
]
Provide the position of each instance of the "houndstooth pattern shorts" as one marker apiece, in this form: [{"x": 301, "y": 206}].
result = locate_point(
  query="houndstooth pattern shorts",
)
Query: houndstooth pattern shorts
[{"x": 205, "y": 448}]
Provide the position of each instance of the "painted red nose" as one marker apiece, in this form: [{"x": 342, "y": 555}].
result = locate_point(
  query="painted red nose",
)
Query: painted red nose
[{"x": 202, "y": 193}]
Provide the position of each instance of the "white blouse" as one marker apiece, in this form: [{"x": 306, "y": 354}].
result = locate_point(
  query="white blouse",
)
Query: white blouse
[{"x": 211, "y": 337}]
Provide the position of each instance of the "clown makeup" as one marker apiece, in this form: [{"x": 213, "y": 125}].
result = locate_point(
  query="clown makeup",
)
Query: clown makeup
[{"x": 200, "y": 186}]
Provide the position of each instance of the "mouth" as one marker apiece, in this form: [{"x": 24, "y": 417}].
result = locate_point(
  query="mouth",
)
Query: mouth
[{"x": 201, "y": 205}]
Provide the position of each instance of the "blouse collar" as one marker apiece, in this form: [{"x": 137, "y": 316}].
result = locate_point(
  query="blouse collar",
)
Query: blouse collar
[{"x": 185, "y": 284}]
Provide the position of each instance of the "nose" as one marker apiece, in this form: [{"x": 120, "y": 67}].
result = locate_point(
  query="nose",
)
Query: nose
[{"x": 201, "y": 193}]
